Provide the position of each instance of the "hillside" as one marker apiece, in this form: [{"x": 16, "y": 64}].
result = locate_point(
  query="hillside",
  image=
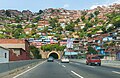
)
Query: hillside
[{"x": 26, "y": 24}]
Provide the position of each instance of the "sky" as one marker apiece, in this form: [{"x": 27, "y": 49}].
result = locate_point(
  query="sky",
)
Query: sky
[{"x": 36, "y": 5}]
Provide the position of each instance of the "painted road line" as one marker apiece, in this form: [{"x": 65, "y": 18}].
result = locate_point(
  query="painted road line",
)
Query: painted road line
[
  {"x": 76, "y": 74},
  {"x": 56, "y": 61},
  {"x": 86, "y": 65},
  {"x": 77, "y": 63},
  {"x": 91, "y": 66},
  {"x": 63, "y": 65},
  {"x": 28, "y": 70},
  {"x": 116, "y": 72}
]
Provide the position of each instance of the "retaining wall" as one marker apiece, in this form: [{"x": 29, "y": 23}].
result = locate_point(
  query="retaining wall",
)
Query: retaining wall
[{"x": 7, "y": 68}]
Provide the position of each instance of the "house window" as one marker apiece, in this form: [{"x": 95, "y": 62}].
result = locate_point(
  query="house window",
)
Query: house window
[{"x": 5, "y": 55}]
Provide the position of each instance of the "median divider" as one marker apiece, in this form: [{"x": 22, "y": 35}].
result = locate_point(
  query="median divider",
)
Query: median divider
[
  {"x": 109, "y": 63},
  {"x": 13, "y": 67},
  {"x": 79, "y": 60}
]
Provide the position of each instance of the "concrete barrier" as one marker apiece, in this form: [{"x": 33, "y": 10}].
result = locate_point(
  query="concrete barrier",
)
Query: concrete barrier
[
  {"x": 4, "y": 67},
  {"x": 110, "y": 63},
  {"x": 7, "y": 68}
]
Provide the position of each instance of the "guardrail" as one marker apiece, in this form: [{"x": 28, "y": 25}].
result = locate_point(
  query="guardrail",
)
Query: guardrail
[{"x": 7, "y": 68}]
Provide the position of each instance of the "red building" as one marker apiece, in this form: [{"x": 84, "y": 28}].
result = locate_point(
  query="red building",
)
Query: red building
[{"x": 19, "y": 48}]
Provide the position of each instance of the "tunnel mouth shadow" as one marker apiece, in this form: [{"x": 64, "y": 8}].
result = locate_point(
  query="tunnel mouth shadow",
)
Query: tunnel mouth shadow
[{"x": 54, "y": 55}]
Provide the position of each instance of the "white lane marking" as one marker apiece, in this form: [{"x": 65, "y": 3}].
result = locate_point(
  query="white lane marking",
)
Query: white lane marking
[
  {"x": 116, "y": 72},
  {"x": 56, "y": 61},
  {"x": 28, "y": 70},
  {"x": 77, "y": 74},
  {"x": 63, "y": 65},
  {"x": 87, "y": 66},
  {"x": 91, "y": 66},
  {"x": 77, "y": 63}
]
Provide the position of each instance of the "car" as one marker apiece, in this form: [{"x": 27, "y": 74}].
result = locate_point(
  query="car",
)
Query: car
[
  {"x": 50, "y": 59},
  {"x": 65, "y": 60},
  {"x": 93, "y": 60}
]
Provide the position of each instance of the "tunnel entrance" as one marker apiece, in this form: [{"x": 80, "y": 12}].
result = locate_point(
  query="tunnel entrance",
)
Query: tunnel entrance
[{"x": 54, "y": 55}]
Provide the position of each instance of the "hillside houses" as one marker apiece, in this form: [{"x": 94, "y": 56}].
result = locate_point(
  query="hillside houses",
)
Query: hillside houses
[{"x": 36, "y": 27}]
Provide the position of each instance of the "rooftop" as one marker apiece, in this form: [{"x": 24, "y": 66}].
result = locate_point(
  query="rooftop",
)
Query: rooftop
[{"x": 13, "y": 41}]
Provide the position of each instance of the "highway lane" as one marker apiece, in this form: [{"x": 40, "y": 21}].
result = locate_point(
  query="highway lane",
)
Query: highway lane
[
  {"x": 70, "y": 70},
  {"x": 48, "y": 70},
  {"x": 93, "y": 71}
]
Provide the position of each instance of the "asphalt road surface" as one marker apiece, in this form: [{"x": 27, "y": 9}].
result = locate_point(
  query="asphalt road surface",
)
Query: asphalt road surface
[{"x": 69, "y": 70}]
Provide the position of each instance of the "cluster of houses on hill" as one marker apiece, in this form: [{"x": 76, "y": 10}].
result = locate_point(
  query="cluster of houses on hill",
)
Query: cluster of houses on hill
[
  {"x": 18, "y": 49},
  {"x": 65, "y": 16},
  {"x": 102, "y": 43}
]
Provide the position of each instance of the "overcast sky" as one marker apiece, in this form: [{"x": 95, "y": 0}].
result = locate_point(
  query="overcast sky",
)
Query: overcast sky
[{"x": 36, "y": 5}]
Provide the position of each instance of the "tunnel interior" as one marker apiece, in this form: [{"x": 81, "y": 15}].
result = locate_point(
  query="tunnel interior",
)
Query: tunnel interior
[{"x": 54, "y": 55}]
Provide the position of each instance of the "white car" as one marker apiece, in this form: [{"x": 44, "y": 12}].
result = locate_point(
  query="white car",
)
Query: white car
[{"x": 65, "y": 60}]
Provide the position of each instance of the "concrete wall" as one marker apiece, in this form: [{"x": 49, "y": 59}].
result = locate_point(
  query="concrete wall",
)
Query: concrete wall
[
  {"x": 7, "y": 68},
  {"x": 21, "y": 55},
  {"x": 4, "y": 55}
]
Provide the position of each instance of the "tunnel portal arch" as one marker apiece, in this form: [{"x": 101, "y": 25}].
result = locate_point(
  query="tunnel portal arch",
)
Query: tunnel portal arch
[{"x": 54, "y": 55}]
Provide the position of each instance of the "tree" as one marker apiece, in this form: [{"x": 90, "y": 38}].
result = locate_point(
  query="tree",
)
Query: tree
[
  {"x": 2, "y": 36},
  {"x": 8, "y": 30},
  {"x": 116, "y": 21},
  {"x": 96, "y": 12},
  {"x": 35, "y": 51},
  {"x": 8, "y": 13},
  {"x": 83, "y": 13},
  {"x": 58, "y": 36},
  {"x": 53, "y": 22},
  {"x": 59, "y": 29},
  {"x": 77, "y": 21},
  {"x": 18, "y": 19},
  {"x": 17, "y": 33},
  {"x": 40, "y": 11},
  {"x": 110, "y": 29},
  {"x": 90, "y": 16},
  {"x": 88, "y": 24},
  {"x": 70, "y": 26},
  {"x": 89, "y": 34},
  {"x": 82, "y": 34},
  {"x": 92, "y": 50},
  {"x": 52, "y": 47},
  {"x": 19, "y": 26},
  {"x": 83, "y": 18},
  {"x": 103, "y": 28},
  {"x": 45, "y": 30},
  {"x": 35, "y": 20},
  {"x": 114, "y": 18}
]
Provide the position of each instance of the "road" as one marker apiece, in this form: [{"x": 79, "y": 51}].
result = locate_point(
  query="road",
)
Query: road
[{"x": 69, "y": 70}]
